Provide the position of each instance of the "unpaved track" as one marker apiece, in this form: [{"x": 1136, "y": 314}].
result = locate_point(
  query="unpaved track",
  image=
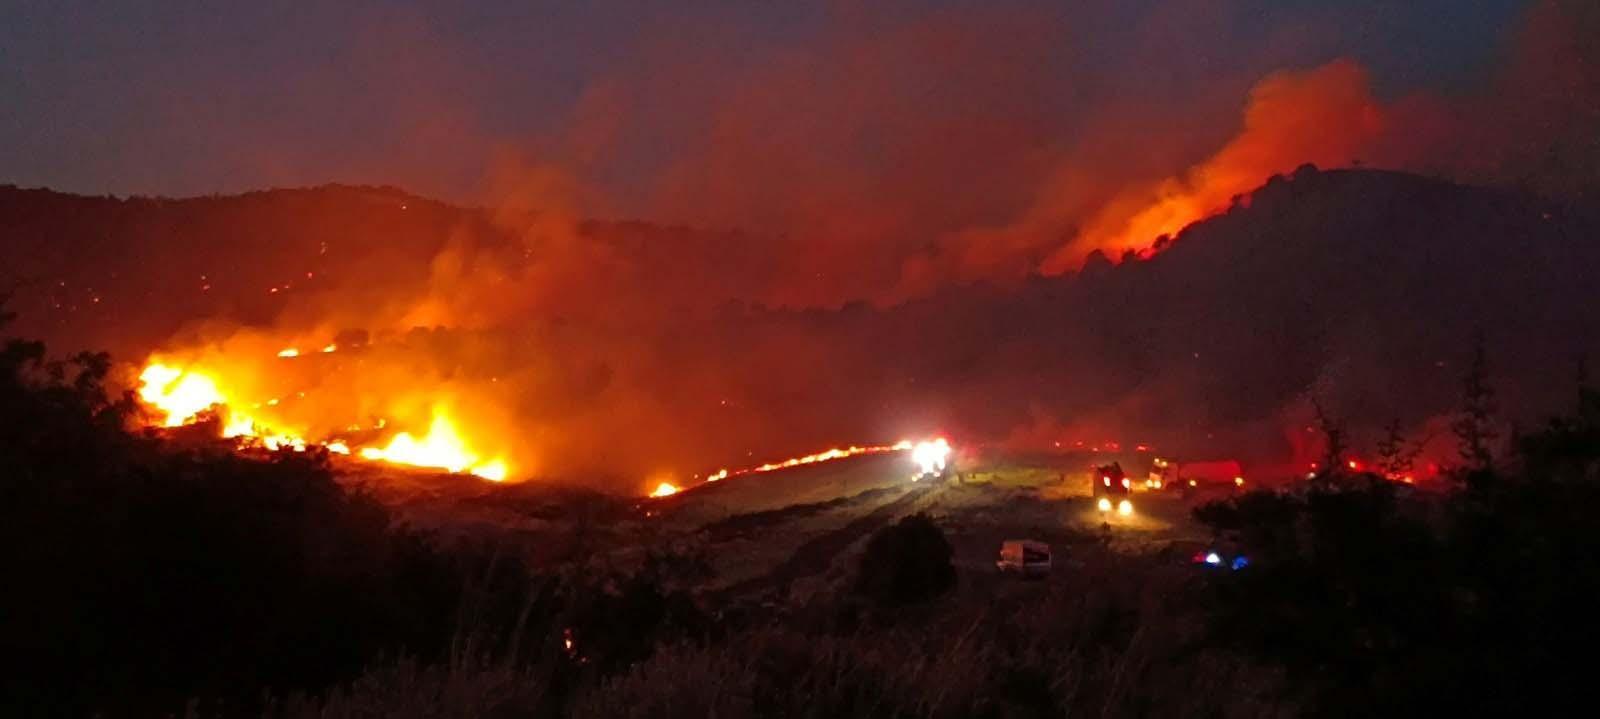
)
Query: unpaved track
[{"x": 816, "y": 556}]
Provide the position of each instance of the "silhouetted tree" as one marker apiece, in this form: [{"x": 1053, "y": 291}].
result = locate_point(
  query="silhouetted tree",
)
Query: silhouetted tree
[
  {"x": 1397, "y": 457},
  {"x": 1334, "y": 444},
  {"x": 1474, "y": 427}
]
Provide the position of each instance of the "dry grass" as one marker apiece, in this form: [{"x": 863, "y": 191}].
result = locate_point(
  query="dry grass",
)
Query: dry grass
[
  {"x": 1116, "y": 645},
  {"x": 1113, "y": 651},
  {"x": 405, "y": 690}
]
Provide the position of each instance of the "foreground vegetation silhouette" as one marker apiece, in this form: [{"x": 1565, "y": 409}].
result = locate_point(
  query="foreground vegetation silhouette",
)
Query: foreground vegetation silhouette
[{"x": 147, "y": 577}]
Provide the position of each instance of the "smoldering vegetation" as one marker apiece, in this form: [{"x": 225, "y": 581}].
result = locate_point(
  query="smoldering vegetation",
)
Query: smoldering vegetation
[{"x": 1324, "y": 285}]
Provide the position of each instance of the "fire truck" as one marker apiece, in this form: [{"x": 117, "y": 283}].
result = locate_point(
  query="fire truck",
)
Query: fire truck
[
  {"x": 1190, "y": 476},
  {"x": 1112, "y": 489}
]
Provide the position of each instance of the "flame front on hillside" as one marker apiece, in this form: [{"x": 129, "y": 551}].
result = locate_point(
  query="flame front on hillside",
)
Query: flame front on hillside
[
  {"x": 184, "y": 395},
  {"x": 930, "y": 457}
]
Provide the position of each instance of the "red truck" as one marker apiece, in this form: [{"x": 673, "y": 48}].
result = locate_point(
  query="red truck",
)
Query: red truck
[
  {"x": 1112, "y": 489},
  {"x": 1185, "y": 477}
]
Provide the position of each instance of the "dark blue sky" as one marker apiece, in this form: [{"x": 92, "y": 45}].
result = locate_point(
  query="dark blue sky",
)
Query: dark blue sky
[{"x": 187, "y": 98}]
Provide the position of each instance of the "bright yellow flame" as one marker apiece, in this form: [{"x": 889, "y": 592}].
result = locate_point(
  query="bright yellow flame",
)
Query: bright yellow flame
[
  {"x": 288, "y": 352},
  {"x": 494, "y": 471},
  {"x": 239, "y": 426},
  {"x": 441, "y": 448},
  {"x": 721, "y": 474},
  {"x": 182, "y": 394},
  {"x": 665, "y": 489},
  {"x": 330, "y": 348},
  {"x": 179, "y": 394}
]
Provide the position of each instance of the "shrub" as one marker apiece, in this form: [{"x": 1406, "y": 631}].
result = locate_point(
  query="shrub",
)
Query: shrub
[
  {"x": 906, "y": 563},
  {"x": 139, "y": 577}
]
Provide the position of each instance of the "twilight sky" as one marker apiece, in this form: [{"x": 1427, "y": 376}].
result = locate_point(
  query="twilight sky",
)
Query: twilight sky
[{"x": 187, "y": 98}]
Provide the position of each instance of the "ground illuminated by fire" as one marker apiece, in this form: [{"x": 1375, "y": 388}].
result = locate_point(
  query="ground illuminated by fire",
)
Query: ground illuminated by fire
[{"x": 181, "y": 395}]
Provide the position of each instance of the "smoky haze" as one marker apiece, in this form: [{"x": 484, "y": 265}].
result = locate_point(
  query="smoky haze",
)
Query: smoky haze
[{"x": 900, "y": 227}]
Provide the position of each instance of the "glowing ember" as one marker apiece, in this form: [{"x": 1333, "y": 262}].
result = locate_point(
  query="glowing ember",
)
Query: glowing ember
[
  {"x": 665, "y": 489},
  {"x": 289, "y": 352}
]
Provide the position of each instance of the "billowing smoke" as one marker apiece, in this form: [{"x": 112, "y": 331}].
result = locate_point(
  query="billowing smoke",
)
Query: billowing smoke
[{"x": 896, "y": 229}]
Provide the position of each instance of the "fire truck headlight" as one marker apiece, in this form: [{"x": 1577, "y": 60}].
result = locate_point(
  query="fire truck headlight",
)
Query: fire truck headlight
[
  {"x": 1125, "y": 508},
  {"x": 1104, "y": 504}
]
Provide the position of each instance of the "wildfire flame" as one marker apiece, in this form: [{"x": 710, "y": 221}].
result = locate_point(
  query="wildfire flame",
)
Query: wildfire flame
[
  {"x": 665, "y": 489},
  {"x": 930, "y": 456},
  {"x": 825, "y": 456},
  {"x": 180, "y": 395},
  {"x": 442, "y": 448}
]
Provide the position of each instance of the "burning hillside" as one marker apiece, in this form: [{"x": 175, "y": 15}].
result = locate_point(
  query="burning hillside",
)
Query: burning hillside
[
  {"x": 614, "y": 400},
  {"x": 189, "y": 395},
  {"x": 236, "y": 397},
  {"x": 953, "y": 273},
  {"x": 264, "y": 401}
]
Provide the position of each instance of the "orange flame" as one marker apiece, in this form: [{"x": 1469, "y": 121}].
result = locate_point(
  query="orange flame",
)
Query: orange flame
[
  {"x": 665, "y": 489},
  {"x": 442, "y": 448},
  {"x": 930, "y": 456},
  {"x": 1324, "y": 115},
  {"x": 180, "y": 395},
  {"x": 824, "y": 456}
]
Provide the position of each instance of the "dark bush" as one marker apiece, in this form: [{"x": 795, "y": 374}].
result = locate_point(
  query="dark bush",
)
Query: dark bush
[
  {"x": 138, "y": 577},
  {"x": 1472, "y": 603},
  {"x": 906, "y": 563}
]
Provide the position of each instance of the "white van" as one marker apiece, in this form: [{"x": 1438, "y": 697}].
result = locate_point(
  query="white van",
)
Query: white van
[{"x": 1024, "y": 556}]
